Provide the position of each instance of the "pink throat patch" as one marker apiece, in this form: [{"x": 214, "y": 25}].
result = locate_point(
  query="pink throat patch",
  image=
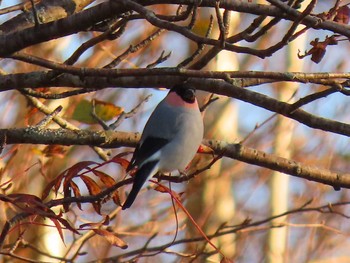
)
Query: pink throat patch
[{"x": 175, "y": 100}]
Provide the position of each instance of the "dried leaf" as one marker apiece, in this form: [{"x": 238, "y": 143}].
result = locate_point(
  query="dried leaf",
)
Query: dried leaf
[
  {"x": 74, "y": 172},
  {"x": 91, "y": 185},
  {"x": 76, "y": 192},
  {"x": 226, "y": 260},
  {"x": 59, "y": 228},
  {"x": 318, "y": 49},
  {"x": 163, "y": 189},
  {"x": 121, "y": 161},
  {"x": 93, "y": 189},
  {"x": 105, "y": 222},
  {"x": 55, "y": 151},
  {"x": 58, "y": 182},
  {"x": 76, "y": 168},
  {"x": 108, "y": 181},
  {"x": 67, "y": 193},
  {"x": 27, "y": 200},
  {"x": 67, "y": 225},
  {"x": 97, "y": 207},
  {"x": 116, "y": 198},
  {"x": 111, "y": 238},
  {"x": 105, "y": 178},
  {"x": 34, "y": 205},
  {"x": 54, "y": 184},
  {"x": 343, "y": 15}
]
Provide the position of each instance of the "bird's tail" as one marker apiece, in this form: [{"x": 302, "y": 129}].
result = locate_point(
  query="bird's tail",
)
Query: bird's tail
[{"x": 141, "y": 176}]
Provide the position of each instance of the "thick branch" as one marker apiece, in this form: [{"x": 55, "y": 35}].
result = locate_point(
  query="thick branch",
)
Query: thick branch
[
  {"x": 46, "y": 11},
  {"x": 111, "y": 139},
  {"x": 218, "y": 87},
  {"x": 104, "y": 78},
  {"x": 81, "y": 21}
]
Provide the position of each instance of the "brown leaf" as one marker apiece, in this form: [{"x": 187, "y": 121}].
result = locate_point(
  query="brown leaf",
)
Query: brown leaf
[
  {"x": 65, "y": 223},
  {"x": 105, "y": 178},
  {"x": 116, "y": 198},
  {"x": 163, "y": 189},
  {"x": 54, "y": 184},
  {"x": 76, "y": 192},
  {"x": 318, "y": 49},
  {"x": 119, "y": 160},
  {"x": 59, "y": 228},
  {"x": 105, "y": 222},
  {"x": 343, "y": 15},
  {"x": 58, "y": 182},
  {"x": 108, "y": 181},
  {"x": 55, "y": 151},
  {"x": 97, "y": 207},
  {"x": 226, "y": 260},
  {"x": 75, "y": 169},
  {"x": 67, "y": 175},
  {"x": 93, "y": 189},
  {"x": 91, "y": 185},
  {"x": 27, "y": 200},
  {"x": 111, "y": 238},
  {"x": 67, "y": 193}
]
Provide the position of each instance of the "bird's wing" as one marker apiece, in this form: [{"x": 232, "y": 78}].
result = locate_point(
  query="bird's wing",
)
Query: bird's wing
[{"x": 146, "y": 149}]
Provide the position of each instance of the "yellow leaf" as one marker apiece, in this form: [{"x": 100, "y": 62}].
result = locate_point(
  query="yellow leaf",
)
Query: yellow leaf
[{"x": 106, "y": 111}]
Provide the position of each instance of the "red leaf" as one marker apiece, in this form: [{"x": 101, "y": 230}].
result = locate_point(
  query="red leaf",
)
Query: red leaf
[
  {"x": 66, "y": 193},
  {"x": 54, "y": 184},
  {"x": 58, "y": 182},
  {"x": 163, "y": 189},
  {"x": 91, "y": 185},
  {"x": 343, "y": 14},
  {"x": 76, "y": 192},
  {"x": 105, "y": 222},
  {"x": 318, "y": 49},
  {"x": 55, "y": 150},
  {"x": 59, "y": 228},
  {"x": 111, "y": 238},
  {"x": 70, "y": 173},
  {"x": 116, "y": 198},
  {"x": 66, "y": 224},
  {"x": 97, "y": 207},
  {"x": 27, "y": 200},
  {"x": 108, "y": 182},
  {"x": 105, "y": 178},
  {"x": 93, "y": 189},
  {"x": 123, "y": 162},
  {"x": 74, "y": 170},
  {"x": 226, "y": 260}
]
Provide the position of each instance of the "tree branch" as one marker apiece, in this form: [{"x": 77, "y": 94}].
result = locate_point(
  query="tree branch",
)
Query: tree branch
[
  {"x": 81, "y": 21},
  {"x": 109, "y": 139}
]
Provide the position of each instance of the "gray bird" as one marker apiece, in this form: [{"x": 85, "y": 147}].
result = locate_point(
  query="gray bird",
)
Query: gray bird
[{"x": 170, "y": 139}]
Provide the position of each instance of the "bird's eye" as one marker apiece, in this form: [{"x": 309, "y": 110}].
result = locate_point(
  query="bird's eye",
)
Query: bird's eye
[{"x": 188, "y": 95}]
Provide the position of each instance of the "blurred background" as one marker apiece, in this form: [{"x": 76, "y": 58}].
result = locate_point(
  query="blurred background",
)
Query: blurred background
[{"x": 231, "y": 195}]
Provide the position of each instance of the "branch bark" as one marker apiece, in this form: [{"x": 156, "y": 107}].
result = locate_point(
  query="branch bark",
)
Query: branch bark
[
  {"x": 82, "y": 21},
  {"x": 109, "y": 139}
]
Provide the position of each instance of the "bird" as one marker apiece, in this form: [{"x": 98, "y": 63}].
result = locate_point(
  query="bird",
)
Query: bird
[{"x": 170, "y": 138}]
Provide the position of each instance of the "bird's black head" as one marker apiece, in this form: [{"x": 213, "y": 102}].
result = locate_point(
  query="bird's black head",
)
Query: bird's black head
[{"x": 185, "y": 92}]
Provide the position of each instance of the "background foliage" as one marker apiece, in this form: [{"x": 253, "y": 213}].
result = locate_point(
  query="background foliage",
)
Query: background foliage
[{"x": 270, "y": 181}]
